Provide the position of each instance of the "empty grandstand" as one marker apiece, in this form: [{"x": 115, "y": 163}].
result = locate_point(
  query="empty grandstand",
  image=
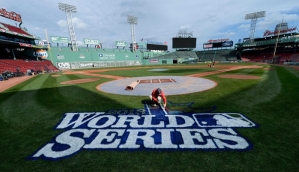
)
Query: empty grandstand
[
  {"x": 20, "y": 55},
  {"x": 219, "y": 50},
  {"x": 275, "y": 47}
]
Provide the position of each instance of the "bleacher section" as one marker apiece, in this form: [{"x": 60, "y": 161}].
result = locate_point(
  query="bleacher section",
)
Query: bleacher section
[
  {"x": 207, "y": 56},
  {"x": 171, "y": 56},
  {"x": 23, "y": 65},
  {"x": 249, "y": 54},
  {"x": 221, "y": 55},
  {"x": 186, "y": 54},
  {"x": 5, "y": 66},
  {"x": 217, "y": 55},
  {"x": 15, "y": 29},
  {"x": 294, "y": 58},
  {"x": 200, "y": 54},
  {"x": 191, "y": 54},
  {"x": 178, "y": 54},
  {"x": 181, "y": 54},
  {"x": 232, "y": 56},
  {"x": 266, "y": 55}
]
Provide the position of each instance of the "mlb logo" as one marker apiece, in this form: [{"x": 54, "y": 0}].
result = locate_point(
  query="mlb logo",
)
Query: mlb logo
[
  {"x": 101, "y": 55},
  {"x": 222, "y": 120}
]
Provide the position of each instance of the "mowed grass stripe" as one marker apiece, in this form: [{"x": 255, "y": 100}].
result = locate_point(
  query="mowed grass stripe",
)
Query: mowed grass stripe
[
  {"x": 249, "y": 71},
  {"x": 64, "y": 98},
  {"x": 268, "y": 88},
  {"x": 277, "y": 137},
  {"x": 220, "y": 96},
  {"x": 49, "y": 95},
  {"x": 16, "y": 108}
]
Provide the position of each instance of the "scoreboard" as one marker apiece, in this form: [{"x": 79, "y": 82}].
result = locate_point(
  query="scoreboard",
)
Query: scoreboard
[
  {"x": 218, "y": 44},
  {"x": 183, "y": 42},
  {"x": 156, "y": 47}
]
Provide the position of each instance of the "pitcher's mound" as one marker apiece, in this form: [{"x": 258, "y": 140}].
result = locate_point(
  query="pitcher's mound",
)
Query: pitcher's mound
[{"x": 171, "y": 85}]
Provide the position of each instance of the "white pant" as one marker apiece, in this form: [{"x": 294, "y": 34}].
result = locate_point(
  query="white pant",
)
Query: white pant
[{"x": 159, "y": 98}]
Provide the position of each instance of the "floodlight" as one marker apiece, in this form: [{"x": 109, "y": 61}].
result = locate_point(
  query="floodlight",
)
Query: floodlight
[
  {"x": 69, "y": 9},
  {"x": 254, "y": 17},
  {"x": 132, "y": 20}
]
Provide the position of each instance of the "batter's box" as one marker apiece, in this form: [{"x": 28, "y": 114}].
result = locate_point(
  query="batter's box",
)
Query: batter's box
[
  {"x": 156, "y": 81},
  {"x": 167, "y": 80},
  {"x": 147, "y": 81},
  {"x": 144, "y": 81}
]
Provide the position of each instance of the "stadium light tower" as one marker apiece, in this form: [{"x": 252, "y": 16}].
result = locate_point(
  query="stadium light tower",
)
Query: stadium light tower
[
  {"x": 254, "y": 17},
  {"x": 133, "y": 21},
  {"x": 69, "y": 9}
]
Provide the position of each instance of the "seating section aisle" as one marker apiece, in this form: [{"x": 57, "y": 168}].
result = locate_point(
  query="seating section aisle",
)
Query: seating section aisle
[
  {"x": 208, "y": 56},
  {"x": 221, "y": 55}
]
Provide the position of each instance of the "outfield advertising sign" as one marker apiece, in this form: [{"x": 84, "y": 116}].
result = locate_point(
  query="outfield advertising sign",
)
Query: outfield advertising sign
[
  {"x": 59, "y": 39},
  {"x": 41, "y": 54},
  {"x": 154, "y": 60},
  {"x": 59, "y": 56},
  {"x": 142, "y": 45},
  {"x": 218, "y": 44},
  {"x": 120, "y": 44},
  {"x": 64, "y": 65},
  {"x": 91, "y": 41},
  {"x": 107, "y": 56},
  {"x": 145, "y": 129},
  {"x": 86, "y": 65}
]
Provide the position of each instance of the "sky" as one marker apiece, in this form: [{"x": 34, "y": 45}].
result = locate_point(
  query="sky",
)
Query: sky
[{"x": 158, "y": 20}]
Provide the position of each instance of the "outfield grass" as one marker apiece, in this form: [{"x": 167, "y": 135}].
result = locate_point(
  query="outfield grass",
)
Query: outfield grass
[{"x": 30, "y": 111}]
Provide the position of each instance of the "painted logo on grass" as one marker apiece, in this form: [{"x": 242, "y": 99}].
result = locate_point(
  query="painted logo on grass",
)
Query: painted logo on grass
[{"x": 142, "y": 129}]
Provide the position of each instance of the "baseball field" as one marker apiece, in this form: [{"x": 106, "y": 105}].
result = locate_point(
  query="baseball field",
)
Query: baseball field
[{"x": 48, "y": 122}]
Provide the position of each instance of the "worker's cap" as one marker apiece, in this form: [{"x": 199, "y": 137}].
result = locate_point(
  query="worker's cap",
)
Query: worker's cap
[{"x": 159, "y": 90}]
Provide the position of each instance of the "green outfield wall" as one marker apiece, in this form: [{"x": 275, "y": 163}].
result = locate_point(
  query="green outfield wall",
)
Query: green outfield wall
[
  {"x": 89, "y": 57},
  {"x": 64, "y": 58}
]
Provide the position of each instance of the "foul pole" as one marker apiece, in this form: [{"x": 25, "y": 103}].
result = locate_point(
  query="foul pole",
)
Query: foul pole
[{"x": 274, "y": 53}]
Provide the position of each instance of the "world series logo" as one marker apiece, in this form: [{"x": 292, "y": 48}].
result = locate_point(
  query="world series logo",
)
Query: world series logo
[{"x": 143, "y": 129}]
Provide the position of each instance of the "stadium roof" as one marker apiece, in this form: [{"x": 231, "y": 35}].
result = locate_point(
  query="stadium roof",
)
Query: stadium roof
[{"x": 14, "y": 31}]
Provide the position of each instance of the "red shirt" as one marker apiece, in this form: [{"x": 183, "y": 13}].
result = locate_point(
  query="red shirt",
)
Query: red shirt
[{"x": 155, "y": 96}]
